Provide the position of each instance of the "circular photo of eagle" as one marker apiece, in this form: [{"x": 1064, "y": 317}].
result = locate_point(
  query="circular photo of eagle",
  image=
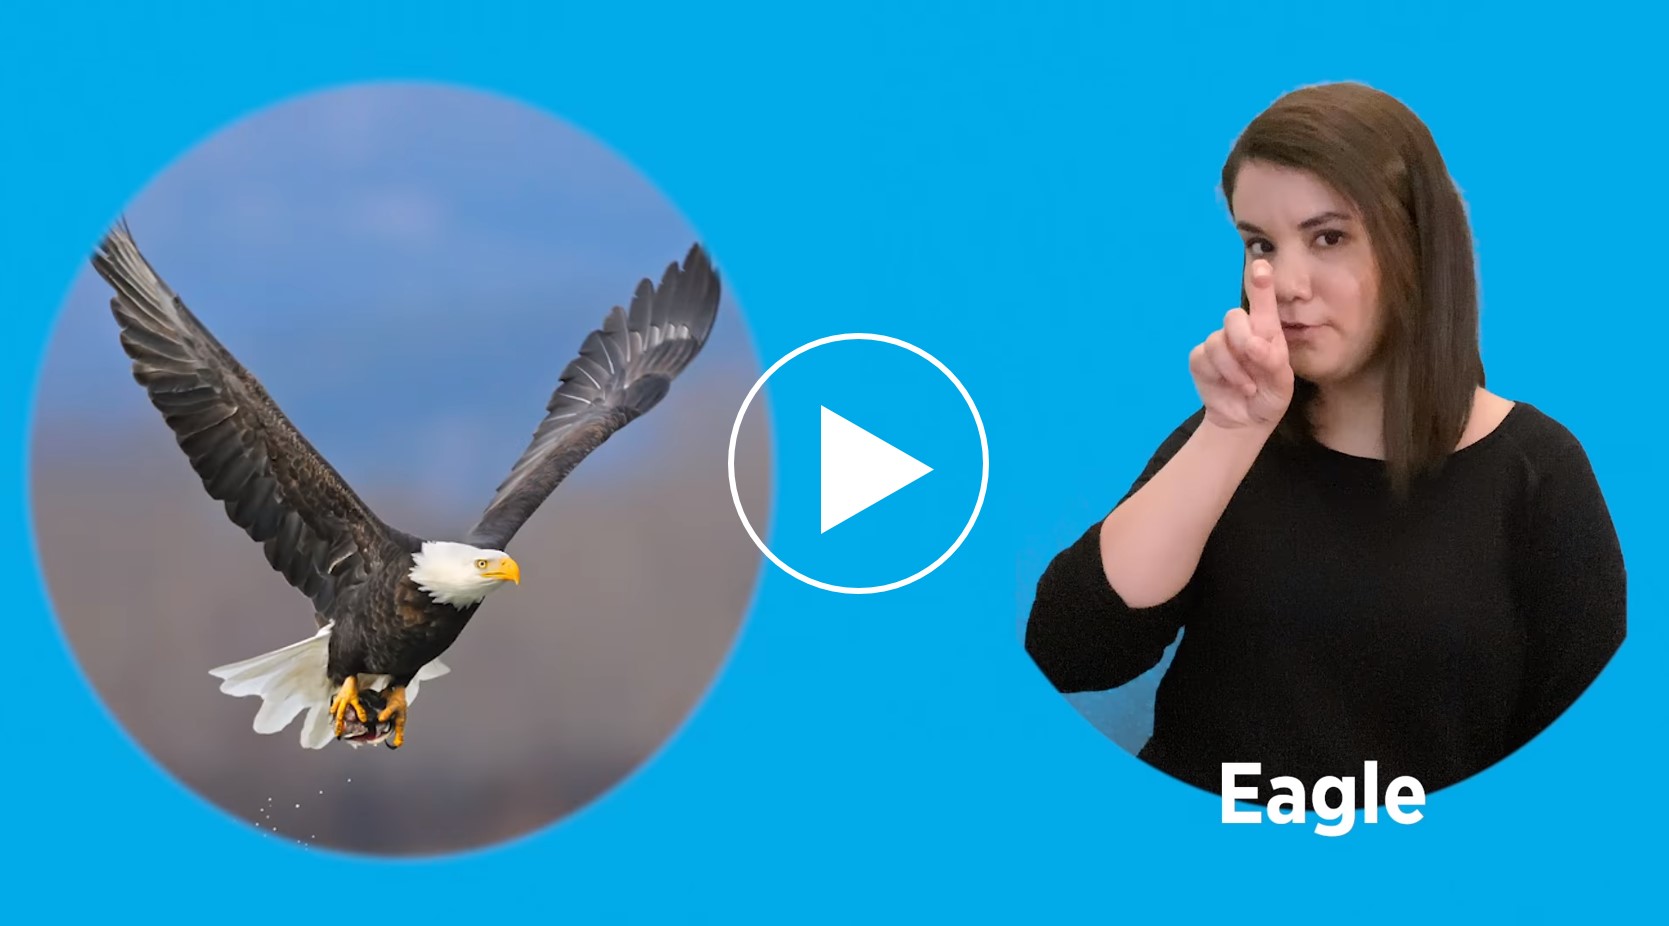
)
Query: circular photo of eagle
[{"x": 389, "y": 391}]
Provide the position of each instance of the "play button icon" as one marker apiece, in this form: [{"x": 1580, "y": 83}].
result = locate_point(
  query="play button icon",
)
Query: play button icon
[
  {"x": 879, "y": 463},
  {"x": 859, "y": 469}
]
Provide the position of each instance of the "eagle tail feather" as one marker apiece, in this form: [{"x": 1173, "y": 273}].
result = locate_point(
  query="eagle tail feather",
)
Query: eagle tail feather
[
  {"x": 294, "y": 679},
  {"x": 288, "y": 680}
]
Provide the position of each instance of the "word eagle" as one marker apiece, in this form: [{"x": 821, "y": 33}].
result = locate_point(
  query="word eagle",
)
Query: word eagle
[{"x": 386, "y": 604}]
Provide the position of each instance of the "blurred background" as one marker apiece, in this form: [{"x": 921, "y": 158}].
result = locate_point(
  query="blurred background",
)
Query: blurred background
[{"x": 407, "y": 269}]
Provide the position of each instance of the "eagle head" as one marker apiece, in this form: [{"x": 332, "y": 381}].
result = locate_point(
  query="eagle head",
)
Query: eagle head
[{"x": 459, "y": 574}]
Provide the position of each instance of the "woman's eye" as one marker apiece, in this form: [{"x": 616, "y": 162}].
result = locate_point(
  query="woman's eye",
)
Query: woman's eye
[
  {"x": 1258, "y": 247},
  {"x": 1331, "y": 237}
]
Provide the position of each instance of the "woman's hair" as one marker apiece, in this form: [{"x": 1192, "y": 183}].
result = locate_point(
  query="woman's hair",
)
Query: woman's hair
[{"x": 1375, "y": 152}]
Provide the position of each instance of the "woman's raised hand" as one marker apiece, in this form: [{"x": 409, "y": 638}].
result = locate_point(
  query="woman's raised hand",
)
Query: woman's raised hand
[{"x": 1242, "y": 371}]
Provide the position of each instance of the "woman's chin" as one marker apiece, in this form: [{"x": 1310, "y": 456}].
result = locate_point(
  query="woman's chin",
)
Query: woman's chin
[{"x": 1319, "y": 374}]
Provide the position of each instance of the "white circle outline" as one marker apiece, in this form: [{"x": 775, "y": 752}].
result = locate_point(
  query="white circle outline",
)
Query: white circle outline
[{"x": 984, "y": 457}]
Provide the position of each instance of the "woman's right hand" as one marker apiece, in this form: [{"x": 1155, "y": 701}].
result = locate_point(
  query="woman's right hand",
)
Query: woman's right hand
[{"x": 1242, "y": 371}]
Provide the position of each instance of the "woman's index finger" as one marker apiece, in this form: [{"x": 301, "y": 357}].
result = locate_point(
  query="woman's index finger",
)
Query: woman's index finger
[{"x": 1260, "y": 293}]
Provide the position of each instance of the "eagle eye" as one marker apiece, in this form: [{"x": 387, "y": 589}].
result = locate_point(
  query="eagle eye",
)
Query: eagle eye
[{"x": 480, "y": 564}]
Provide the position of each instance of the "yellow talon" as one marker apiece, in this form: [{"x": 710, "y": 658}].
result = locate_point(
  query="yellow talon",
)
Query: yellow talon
[
  {"x": 347, "y": 697},
  {"x": 396, "y": 708}
]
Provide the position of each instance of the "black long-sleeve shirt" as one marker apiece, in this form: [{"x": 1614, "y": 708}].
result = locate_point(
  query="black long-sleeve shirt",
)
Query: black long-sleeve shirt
[{"x": 1327, "y": 625}]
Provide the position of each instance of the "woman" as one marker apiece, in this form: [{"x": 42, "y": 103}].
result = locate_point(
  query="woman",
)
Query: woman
[{"x": 1369, "y": 556}]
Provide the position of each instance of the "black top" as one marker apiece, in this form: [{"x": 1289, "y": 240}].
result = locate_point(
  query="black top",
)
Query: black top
[{"x": 1327, "y": 625}]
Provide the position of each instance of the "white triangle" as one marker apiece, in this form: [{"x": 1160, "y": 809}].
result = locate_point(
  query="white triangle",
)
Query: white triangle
[{"x": 860, "y": 469}]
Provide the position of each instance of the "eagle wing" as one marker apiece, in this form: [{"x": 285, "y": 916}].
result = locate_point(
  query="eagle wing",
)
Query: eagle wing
[
  {"x": 623, "y": 370},
  {"x": 314, "y": 530}
]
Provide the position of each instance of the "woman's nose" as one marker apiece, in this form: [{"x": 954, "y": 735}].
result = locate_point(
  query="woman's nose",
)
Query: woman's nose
[{"x": 1292, "y": 277}]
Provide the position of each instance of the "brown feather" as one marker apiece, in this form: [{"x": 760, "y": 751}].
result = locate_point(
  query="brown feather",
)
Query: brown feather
[
  {"x": 249, "y": 456},
  {"x": 624, "y": 369}
]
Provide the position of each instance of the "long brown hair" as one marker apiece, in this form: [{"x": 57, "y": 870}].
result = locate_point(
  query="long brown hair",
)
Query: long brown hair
[{"x": 1375, "y": 152}]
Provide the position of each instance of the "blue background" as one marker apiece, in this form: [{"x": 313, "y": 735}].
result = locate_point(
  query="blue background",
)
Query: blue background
[{"x": 1028, "y": 193}]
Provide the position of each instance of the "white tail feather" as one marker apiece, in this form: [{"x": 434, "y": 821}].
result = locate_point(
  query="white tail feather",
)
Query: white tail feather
[{"x": 295, "y": 679}]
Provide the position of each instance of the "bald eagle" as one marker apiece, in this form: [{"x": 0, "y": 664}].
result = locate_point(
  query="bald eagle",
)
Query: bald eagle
[{"x": 386, "y": 604}]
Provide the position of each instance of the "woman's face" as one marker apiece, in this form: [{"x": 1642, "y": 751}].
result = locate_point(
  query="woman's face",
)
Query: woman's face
[{"x": 1326, "y": 280}]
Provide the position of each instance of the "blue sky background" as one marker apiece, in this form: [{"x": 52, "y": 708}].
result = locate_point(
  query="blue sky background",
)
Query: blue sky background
[{"x": 406, "y": 267}]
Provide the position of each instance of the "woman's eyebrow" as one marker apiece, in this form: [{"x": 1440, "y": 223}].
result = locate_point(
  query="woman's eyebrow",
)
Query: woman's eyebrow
[
  {"x": 1323, "y": 219},
  {"x": 1306, "y": 225}
]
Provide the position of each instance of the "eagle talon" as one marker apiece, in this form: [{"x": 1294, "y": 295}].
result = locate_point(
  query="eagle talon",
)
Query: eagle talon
[
  {"x": 395, "y": 708},
  {"x": 347, "y": 697}
]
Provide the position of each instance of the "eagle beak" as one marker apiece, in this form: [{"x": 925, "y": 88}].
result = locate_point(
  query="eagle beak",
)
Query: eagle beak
[{"x": 507, "y": 571}]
